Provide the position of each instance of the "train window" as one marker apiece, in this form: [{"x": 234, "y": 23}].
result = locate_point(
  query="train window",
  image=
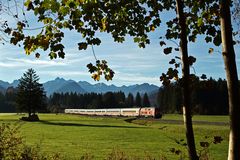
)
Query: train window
[{"x": 129, "y": 111}]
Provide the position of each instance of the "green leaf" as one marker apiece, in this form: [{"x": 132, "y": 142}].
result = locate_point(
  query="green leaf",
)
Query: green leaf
[
  {"x": 82, "y": 46},
  {"x": 177, "y": 65},
  {"x": 162, "y": 43},
  {"x": 191, "y": 60},
  {"x": 172, "y": 61},
  {"x": 96, "y": 41},
  {"x": 29, "y": 5},
  {"x": 217, "y": 39},
  {"x": 91, "y": 68},
  {"x": 203, "y": 76},
  {"x": 200, "y": 22},
  {"x": 37, "y": 55},
  {"x": 136, "y": 39},
  {"x": 8, "y": 30},
  {"x": 53, "y": 55},
  {"x": 176, "y": 49},
  {"x": 167, "y": 50},
  {"x": 178, "y": 57},
  {"x": 64, "y": 10},
  {"x": 208, "y": 39},
  {"x": 61, "y": 54}
]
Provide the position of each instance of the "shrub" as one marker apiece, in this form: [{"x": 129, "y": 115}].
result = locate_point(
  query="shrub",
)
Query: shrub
[
  {"x": 87, "y": 156},
  {"x": 31, "y": 118},
  {"x": 11, "y": 142},
  {"x": 203, "y": 152},
  {"x": 34, "y": 153},
  {"x": 117, "y": 154},
  {"x": 12, "y": 146}
]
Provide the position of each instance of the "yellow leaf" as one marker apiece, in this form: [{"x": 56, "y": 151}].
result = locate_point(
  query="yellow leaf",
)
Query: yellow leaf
[
  {"x": 210, "y": 51},
  {"x": 103, "y": 24},
  {"x": 152, "y": 28},
  {"x": 96, "y": 77}
]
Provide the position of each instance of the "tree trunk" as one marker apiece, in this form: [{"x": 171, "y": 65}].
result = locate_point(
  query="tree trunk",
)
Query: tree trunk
[
  {"x": 186, "y": 80},
  {"x": 29, "y": 112},
  {"x": 232, "y": 80}
]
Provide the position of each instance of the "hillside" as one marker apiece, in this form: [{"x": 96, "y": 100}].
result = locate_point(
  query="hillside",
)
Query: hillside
[{"x": 60, "y": 85}]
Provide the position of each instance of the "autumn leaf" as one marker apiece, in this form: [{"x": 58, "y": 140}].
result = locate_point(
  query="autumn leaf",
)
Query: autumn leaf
[
  {"x": 210, "y": 51},
  {"x": 82, "y": 46},
  {"x": 152, "y": 28}
]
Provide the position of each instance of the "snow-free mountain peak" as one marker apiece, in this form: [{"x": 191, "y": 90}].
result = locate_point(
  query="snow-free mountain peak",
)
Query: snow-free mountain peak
[{"x": 61, "y": 85}]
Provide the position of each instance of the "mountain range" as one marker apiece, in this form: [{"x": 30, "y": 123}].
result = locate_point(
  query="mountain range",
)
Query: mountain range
[{"x": 60, "y": 85}]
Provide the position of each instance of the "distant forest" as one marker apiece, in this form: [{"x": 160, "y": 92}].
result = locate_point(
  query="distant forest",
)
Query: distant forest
[
  {"x": 208, "y": 97},
  {"x": 96, "y": 100}
]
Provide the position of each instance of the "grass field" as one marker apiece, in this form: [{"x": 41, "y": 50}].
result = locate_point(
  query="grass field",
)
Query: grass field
[{"x": 73, "y": 136}]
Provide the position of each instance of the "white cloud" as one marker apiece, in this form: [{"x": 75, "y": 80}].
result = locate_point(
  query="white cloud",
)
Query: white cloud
[
  {"x": 9, "y": 65},
  {"x": 137, "y": 78},
  {"x": 36, "y": 62},
  {"x": 65, "y": 73}
]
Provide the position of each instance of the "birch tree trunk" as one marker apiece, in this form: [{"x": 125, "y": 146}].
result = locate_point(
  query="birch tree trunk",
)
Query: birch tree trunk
[
  {"x": 186, "y": 82},
  {"x": 232, "y": 80}
]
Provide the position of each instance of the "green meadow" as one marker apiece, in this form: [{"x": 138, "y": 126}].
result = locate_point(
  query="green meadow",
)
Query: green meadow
[{"x": 74, "y": 136}]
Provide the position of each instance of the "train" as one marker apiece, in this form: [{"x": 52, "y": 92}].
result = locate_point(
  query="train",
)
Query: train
[{"x": 125, "y": 112}]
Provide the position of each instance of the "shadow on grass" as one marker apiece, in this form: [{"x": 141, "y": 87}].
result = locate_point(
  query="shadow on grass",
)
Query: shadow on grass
[
  {"x": 84, "y": 125},
  {"x": 130, "y": 120}
]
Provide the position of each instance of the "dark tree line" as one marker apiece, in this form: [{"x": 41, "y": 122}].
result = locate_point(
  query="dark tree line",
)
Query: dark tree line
[
  {"x": 96, "y": 100},
  {"x": 7, "y": 100},
  {"x": 207, "y": 97},
  {"x": 59, "y": 101}
]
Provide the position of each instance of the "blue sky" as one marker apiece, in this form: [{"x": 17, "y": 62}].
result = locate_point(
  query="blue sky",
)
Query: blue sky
[{"x": 131, "y": 64}]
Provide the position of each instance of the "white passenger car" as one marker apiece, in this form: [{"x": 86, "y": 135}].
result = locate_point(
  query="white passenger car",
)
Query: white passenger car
[{"x": 144, "y": 111}]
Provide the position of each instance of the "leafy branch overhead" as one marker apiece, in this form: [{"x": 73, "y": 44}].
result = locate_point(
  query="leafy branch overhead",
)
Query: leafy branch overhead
[
  {"x": 101, "y": 68},
  {"x": 119, "y": 18},
  {"x": 137, "y": 18},
  {"x": 201, "y": 18}
]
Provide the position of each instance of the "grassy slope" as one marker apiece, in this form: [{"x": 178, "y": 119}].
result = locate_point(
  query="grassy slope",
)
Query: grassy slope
[
  {"x": 198, "y": 118},
  {"x": 74, "y": 136}
]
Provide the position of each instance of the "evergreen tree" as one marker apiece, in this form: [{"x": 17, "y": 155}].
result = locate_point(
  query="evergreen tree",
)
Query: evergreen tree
[
  {"x": 130, "y": 100},
  {"x": 146, "y": 102},
  {"x": 120, "y": 99},
  {"x": 109, "y": 100},
  {"x": 138, "y": 100},
  {"x": 30, "y": 96}
]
